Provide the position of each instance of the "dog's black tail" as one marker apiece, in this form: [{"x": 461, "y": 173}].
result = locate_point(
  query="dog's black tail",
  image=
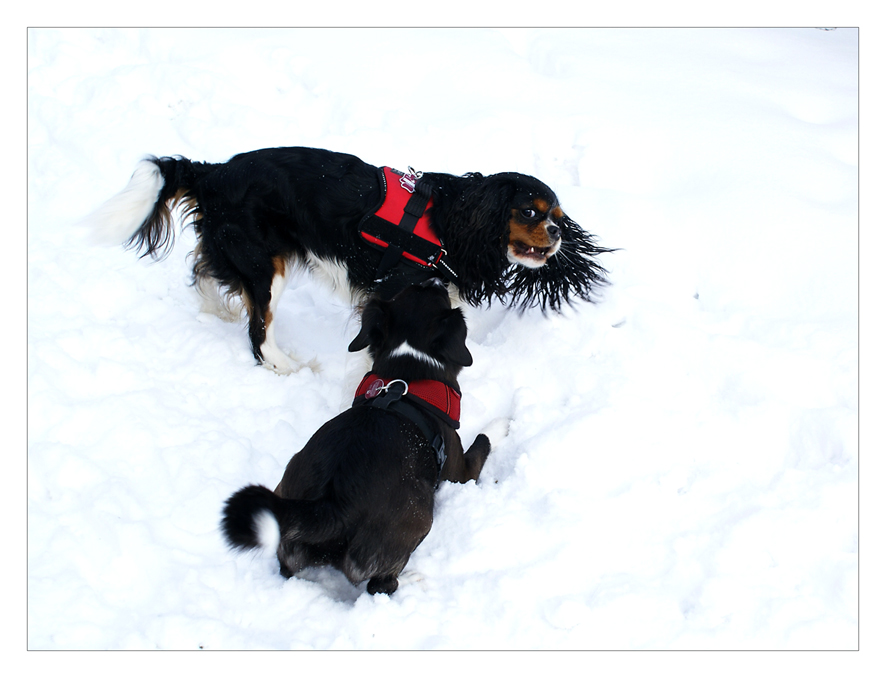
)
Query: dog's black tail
[
  {"x": 140, "y": 216},
  {"x": 255, "y": 517}
]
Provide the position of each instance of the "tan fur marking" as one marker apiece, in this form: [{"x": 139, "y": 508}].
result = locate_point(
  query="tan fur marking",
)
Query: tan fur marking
[
  {"x": 280, "y": 266},
  {"x": 541, "y": 205},
  {"x": 533, "y": 237},
  {"x": 247, "y": 303},
  {"x": 557, "y": 213},
  {"x": 279, "y": 270}
]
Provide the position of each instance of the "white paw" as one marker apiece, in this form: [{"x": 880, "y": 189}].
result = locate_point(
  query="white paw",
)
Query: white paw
[
  {"x": 497, "y": 430},
  {"x": 287, "y": 363},
  {"x": 277, "y": 361},
  {"x": 279, "y": 368}
]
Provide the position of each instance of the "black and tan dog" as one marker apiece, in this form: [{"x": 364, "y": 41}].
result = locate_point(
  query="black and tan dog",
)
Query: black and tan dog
[
  {"x": 360, "y": 495},
  {"x": 364, "y": 229}
]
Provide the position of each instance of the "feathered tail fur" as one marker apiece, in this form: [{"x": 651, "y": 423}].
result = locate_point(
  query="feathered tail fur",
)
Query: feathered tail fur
[
  {"x": 247, "y": 524},
  {"x": 141, "y": 215}
]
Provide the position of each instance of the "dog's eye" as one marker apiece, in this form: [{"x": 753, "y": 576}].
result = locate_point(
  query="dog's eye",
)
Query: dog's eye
[{"x": 528, "y": 213}]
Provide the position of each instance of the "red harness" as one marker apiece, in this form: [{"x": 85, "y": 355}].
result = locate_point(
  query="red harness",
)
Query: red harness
[
  {"x": 401, "y": 225},
  {"x": 432, "y": 396}
]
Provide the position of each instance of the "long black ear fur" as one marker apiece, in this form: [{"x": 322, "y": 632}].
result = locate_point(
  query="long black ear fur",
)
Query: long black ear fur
[
  {"x": 573, "y": 272},
  {"x": 373, "y": 326},
  {"x": 479, "y": 242},
  {"x": 451, "y": 337}
]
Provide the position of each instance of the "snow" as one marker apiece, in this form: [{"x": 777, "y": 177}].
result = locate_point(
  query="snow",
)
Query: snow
[{"x": 681, "y": 469}]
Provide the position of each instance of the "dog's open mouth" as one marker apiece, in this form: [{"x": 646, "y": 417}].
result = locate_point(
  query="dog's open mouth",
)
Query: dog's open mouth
[{"x": 529, "y": 255}]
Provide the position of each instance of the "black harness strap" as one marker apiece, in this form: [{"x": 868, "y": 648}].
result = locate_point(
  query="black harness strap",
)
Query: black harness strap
[
  {"x": 405, "y": 249},
  {"x": 392, "y": 401},
  {"x": 416, "y": 206},
  {"x": 404, "y": 241}
]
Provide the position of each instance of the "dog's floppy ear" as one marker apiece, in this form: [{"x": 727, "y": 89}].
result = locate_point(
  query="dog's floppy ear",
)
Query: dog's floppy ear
[
  {"x": 493, "y": 208},
  {"x": 373, "y": 326},
  {"x": 451, "y": 337}
]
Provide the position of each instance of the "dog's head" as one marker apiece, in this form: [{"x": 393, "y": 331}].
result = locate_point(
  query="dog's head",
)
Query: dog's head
[
  {"x": 535, "y": 223},
  {"x": 520, "y": 212},
  {"x": 512, "y": 239},
  {"x": 415, "y": 335}
]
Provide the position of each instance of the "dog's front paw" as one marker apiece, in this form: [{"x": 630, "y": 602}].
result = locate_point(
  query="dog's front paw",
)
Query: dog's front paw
[{"x": 497, "y": 430}]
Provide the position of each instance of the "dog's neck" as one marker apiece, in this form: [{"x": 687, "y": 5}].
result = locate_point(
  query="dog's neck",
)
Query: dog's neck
[
  {"x": 431, "y": 396},
  {"x": 426, "y": 378},
  {"x": 410, "y": 364},
  {"x": 407, "y": 349}
]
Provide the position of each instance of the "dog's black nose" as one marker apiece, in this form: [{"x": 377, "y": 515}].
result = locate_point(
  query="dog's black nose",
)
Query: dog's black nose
[{"x": 554, "y": 231}]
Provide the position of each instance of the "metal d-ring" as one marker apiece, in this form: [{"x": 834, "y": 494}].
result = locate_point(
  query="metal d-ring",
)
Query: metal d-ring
[{"x": 391, "y": 383}]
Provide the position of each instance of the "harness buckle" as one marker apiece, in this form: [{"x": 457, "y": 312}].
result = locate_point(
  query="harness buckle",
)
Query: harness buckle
[{"x": 409, "y": 179}]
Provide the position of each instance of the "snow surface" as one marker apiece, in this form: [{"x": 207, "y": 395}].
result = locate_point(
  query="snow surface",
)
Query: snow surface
[{"x": 681, "y": 471}]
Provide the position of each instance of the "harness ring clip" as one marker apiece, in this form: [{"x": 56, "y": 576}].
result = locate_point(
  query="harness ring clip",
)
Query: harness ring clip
[{"x": 378, "y": 389}]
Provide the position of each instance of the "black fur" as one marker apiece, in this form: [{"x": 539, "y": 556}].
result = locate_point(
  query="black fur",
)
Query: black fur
[
  {"x": 283, "y": 204},
  {"x": 360, "y": 495}
]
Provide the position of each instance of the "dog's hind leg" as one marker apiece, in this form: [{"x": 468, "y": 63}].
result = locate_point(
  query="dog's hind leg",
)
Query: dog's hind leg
[
  {"x": 261, "y": 306},
  {"x": 381, "y": 548},
  {"x": 385, "y": 584},
  {"x": 271, "y": 353},
  {"x": 292, "y": 558},
  {"x": 225, "y": 304},
  {"x": 382, "y": 577}
]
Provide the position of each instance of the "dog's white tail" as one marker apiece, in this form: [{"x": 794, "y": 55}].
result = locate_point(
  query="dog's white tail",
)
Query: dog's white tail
[
  {"x": 120, "y": 218},
  {"x": 267, "y": 531},
  {"x": 254, "y": 517}
]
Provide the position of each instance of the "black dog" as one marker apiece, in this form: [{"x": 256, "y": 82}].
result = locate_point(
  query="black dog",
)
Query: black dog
[
  {"x": 366, "y": 229},
  {"x": 360, "y": 495}
]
